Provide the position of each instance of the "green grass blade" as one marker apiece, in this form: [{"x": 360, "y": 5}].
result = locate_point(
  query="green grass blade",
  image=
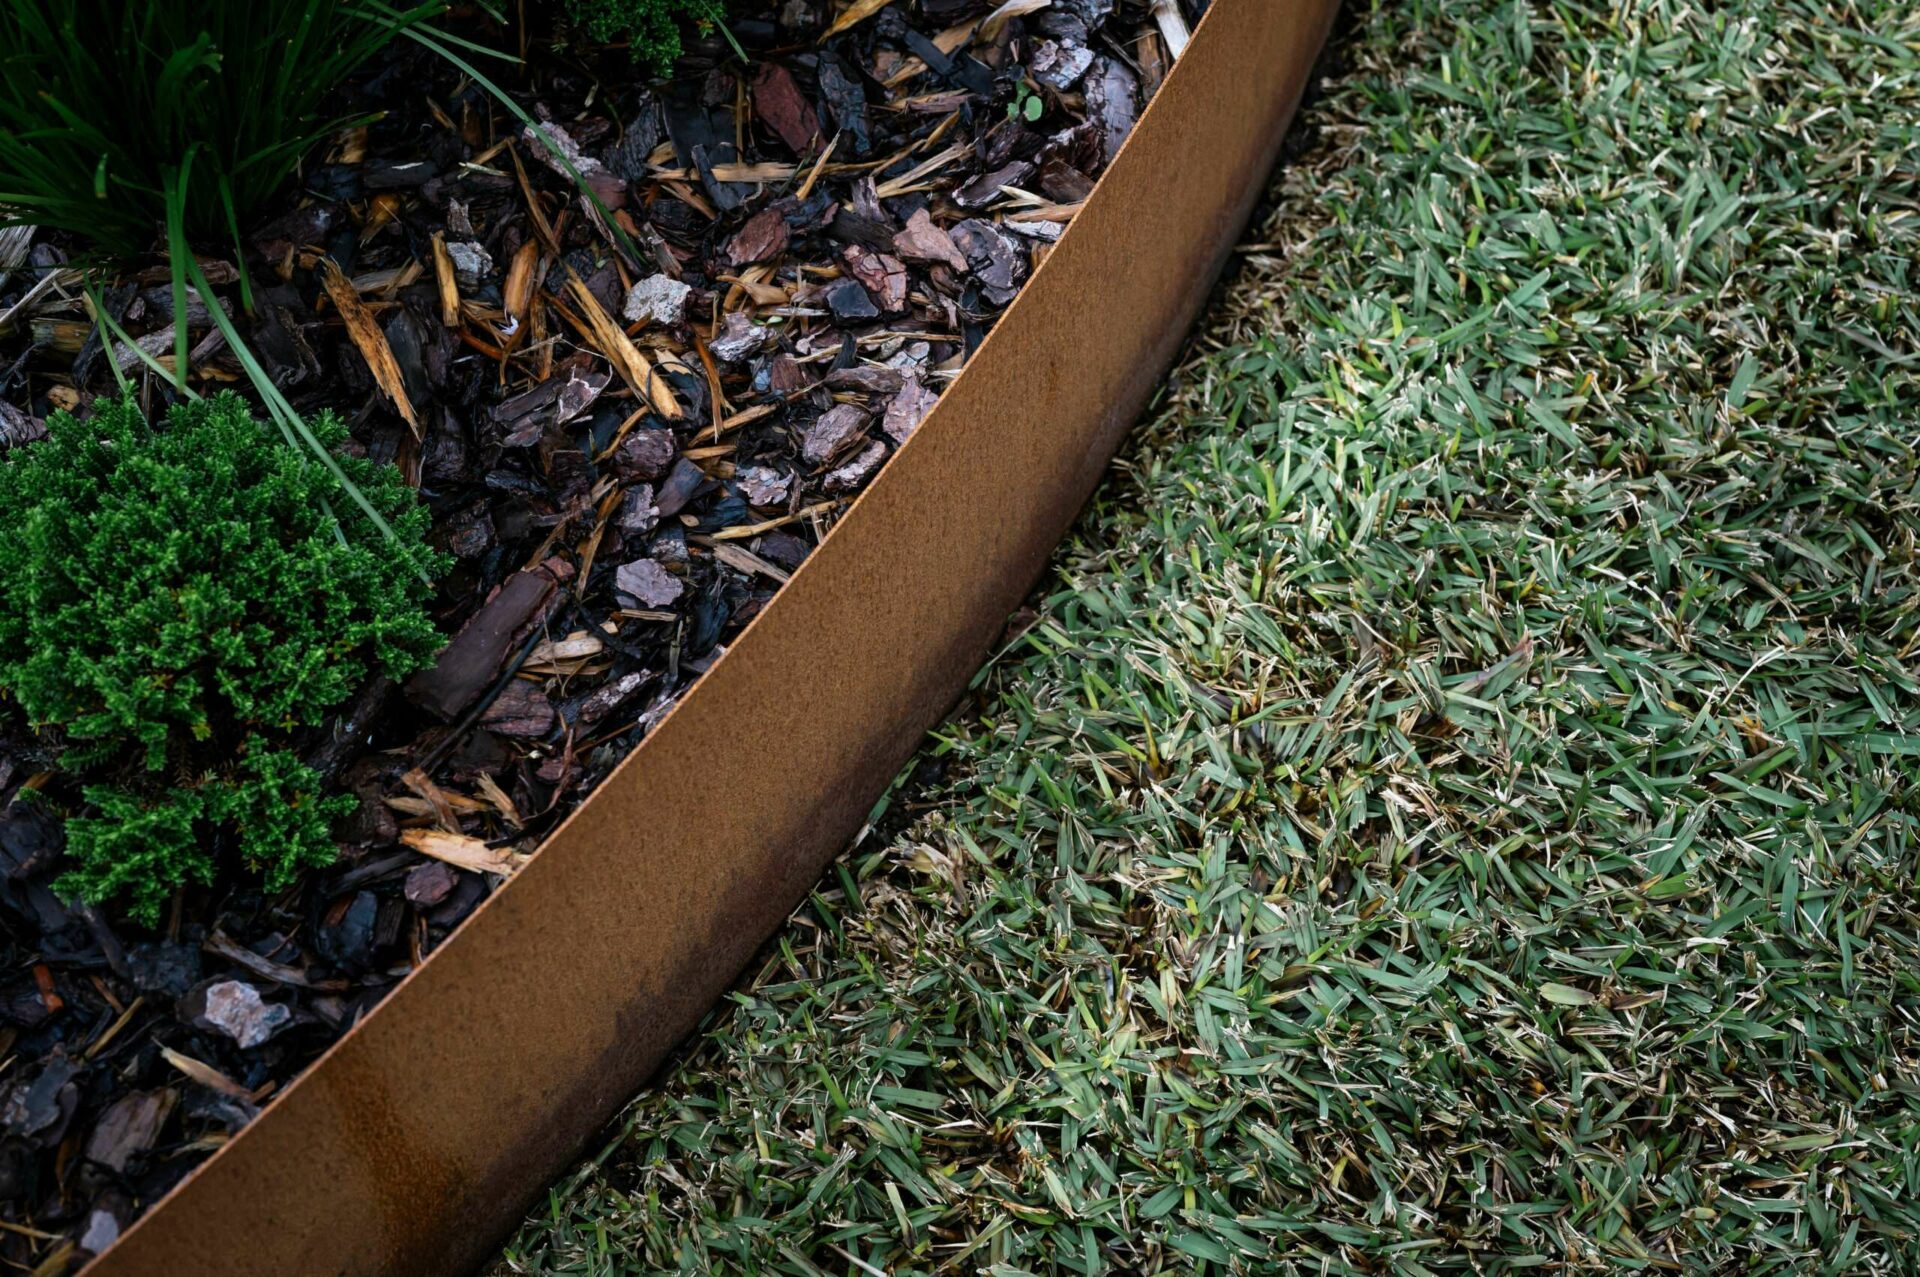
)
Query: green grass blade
[
  {"x": 109, "y": 331},
  {"x": 291, "y": 424}
]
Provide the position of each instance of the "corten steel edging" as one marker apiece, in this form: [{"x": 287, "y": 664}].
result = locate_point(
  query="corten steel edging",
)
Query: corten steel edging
[{"x": 414, "y": 1144}]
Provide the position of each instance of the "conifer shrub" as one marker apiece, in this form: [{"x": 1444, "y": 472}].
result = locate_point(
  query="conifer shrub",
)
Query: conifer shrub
[
  {"x": 651, "y": 29},
  {"x": 177, "y": 602}
]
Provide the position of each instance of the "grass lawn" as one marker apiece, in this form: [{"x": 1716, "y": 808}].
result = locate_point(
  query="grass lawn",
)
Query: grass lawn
[{"x": 1456, "y": 807}]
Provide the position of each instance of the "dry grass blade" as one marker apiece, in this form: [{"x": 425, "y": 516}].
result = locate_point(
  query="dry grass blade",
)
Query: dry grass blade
[
  {"x": 207, "y": 1076},
  {"x": 909, "y": 180},
  {"x": 52, "y": 282},
  {"x": 746, "y": 530}
]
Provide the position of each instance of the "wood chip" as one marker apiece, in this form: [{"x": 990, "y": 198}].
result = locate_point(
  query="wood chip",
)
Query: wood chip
[
  {"x": 369, "y": 340},
  {"x": 771, "y": 171},
  {"x": 764, "y": 236},
  {"x": 922, "y": 241},
  {"x": 778, "y": 100},
  {"x": 1173, "y": 26},
  {"x": 563, "y": 656},
  {"x": 498, "y": 797},
  {"x": 858, "y": 11},
  {"x": 449, "y": 287},
  {"x": 518, "y": 292},
  {"x": 634, "y": 368},
  {"x": 990, "y": 25},
  {"x": 463, "y": 852},
  {"x": 438, "y": 801}
]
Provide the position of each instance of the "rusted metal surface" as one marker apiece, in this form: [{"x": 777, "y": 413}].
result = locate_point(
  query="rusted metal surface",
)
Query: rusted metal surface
[{"x": 413, "y": 1146}]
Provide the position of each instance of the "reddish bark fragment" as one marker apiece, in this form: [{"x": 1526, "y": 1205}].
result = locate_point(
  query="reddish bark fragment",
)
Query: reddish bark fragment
[
  {"x": 922, "y": 241},
  {"x": 777, "y": 98},
  {"x": 883, "y": 276},
  {"x": 764, "y": 236}
]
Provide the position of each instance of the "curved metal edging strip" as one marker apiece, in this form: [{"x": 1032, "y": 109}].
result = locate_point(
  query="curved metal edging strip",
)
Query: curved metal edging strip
[{"x": 414, "y": 1145}]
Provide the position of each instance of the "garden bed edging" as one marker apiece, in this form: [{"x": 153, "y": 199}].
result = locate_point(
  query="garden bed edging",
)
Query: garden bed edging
[{"x": 414, "y": 1144}]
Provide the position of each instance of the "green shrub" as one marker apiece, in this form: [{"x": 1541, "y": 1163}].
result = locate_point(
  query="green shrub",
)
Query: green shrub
[
  {"x": 650, "y": 28},
  {"x": 178, "y": 601}
]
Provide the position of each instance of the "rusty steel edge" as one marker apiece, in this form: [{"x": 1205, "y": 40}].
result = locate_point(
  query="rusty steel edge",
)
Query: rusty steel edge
[{"x": 415, "y": 1143}]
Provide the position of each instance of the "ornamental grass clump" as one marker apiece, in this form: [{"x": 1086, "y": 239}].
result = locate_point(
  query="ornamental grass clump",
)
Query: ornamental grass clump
[
  {"x": 135, "y": 124},
  {"x": 177, "y": 602},
  {"x": 123, "y": 117}
]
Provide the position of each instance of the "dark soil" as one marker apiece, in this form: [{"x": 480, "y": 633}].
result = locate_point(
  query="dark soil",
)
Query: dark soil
[{"x": 627, "y": 446}]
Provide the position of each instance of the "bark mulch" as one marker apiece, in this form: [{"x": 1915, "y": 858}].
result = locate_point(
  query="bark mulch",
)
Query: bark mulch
[{"x": 633, "y": 418}]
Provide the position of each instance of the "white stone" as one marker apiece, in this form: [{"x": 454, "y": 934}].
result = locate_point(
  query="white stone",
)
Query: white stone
[{"x": 659, "y": 299}]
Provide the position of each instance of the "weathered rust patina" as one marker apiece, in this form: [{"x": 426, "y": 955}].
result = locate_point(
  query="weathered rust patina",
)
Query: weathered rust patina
[{"x": 414, "y": 1145}]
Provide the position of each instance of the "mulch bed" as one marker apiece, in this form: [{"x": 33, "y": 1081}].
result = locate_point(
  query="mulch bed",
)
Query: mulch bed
[{"x": 632, "y": 423}]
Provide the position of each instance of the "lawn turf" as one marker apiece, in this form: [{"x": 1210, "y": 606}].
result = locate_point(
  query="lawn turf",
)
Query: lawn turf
[{"x": 1455, "y": 807}]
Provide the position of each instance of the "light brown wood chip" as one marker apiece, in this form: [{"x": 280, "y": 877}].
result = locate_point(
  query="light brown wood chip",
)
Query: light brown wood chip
[
  {"x": 858, "y": 11},
  {"x": 449, "y": 287},
  {"x": 463, "y": 852},
  {"x": 367, "y": 337},
  {"x": 634, "y": 368}
]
